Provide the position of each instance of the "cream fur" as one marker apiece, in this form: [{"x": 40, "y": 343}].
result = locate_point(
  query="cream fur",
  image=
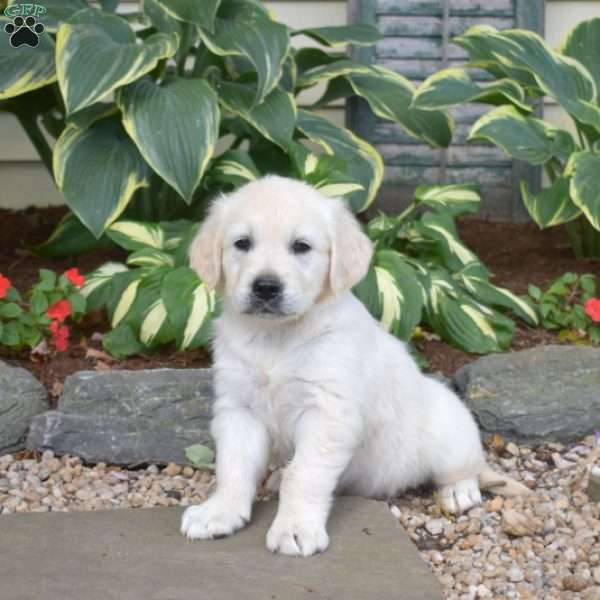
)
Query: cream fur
[{"x": 321, "y": 390}]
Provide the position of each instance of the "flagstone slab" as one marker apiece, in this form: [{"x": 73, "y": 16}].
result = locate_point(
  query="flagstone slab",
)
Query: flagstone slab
[{"x": 139, "y": 554}]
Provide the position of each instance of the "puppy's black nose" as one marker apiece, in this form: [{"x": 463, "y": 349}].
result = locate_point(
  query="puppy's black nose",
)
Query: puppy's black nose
[{"x": 266, "y": 288}]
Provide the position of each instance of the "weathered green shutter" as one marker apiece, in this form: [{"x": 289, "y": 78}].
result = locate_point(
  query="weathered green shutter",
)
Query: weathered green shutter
[{"x": 416, "y": 43}]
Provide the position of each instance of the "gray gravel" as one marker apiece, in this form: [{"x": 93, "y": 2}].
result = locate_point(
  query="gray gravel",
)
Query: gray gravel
[{"x": 544, "y": 546}]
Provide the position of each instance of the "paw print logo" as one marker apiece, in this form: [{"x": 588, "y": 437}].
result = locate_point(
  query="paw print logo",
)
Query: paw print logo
[{"x": 24, "y": 32}]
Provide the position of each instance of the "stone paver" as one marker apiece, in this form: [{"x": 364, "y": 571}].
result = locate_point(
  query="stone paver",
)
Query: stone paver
[{"x": 140, "y": 555}]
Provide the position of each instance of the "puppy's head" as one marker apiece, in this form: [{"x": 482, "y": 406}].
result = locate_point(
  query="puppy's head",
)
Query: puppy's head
[{"x": 276, "y": 246}]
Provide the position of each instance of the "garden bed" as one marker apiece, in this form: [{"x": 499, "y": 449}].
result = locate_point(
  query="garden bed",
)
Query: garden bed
[{"x": 517, "y": 254}]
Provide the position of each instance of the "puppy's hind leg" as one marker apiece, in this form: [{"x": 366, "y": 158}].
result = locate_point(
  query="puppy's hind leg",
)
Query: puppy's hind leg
[{"x": 242, "y": 456}]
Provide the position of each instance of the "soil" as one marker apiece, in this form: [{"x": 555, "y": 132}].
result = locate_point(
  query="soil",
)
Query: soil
[{"x": 517, "y": 254}]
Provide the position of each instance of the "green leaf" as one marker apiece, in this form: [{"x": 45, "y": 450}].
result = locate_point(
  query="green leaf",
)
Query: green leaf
[
  {"x": 358, "y": 35},
  {"x": 234, "y": 167},
  {"x": 77, "y": 303},
  {"x": 10, "y": 310},
  {"x": 137, "y": 235},
  {"x": 97, "y": 52},
  {"x": 561, "y": 77},
  {"x": 81, "y": 162},
  {"x": 175, "y": 127},
  {"x": 192, "y": 11},
  {"x": 487, "y": 293},
  {"x": 10, "y": 334},
  {"x": 552, "y": 206},
  {"x": 455, "y": 199},
  {"x": 534, "y": 292},
  {"x": 364, "y": 163},
  {"x": 390, "y": 97},
  {"x": 399, "y": 301},
  {"x": 47, "y": 280},
  {"x": 24, "y": 68},
  {"x": 523, "y": 138},
  {"x": 274, "y": 117},
  {"x": 454, "y": 86},
  {"x": 70, "y": 237},
  {"x": 122, "y": 342},
  {"x": 584, "y": 170},
  {"x": 441, "y": 229},
  {"x": 248, "y": 33},
  {"x": 582, "y": 43},
  {"x": 200, "y": 455},
  {"x": 97, "y": 288},
  {"x": 190, "y": 306},
  {"x": 39, "y": 303},
  {"x": 150, "y": 257}
]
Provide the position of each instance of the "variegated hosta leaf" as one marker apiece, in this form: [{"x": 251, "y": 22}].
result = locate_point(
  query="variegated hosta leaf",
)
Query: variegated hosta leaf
[
  {"x": 464, "y": 323},
  {"x": 97, "y": 52},
  {"x": 150, "y": 257},
  {"x": 455, "y": 199},
  {"x": 454, "y": 86},
  {"x": 142, "y": 308},
  {"x": 476, "y": 280},
  {"x": 584, "y": 170},
  {"x": 177, "y": 148},
  {"x": 552, "y": 205},
  {"x": 137, "y": 235},
  {"x": 582, "y": 43},
  {"x": 390, "y": 96},
  {"x": 440, "y": 228},
  {"x": 234, "y": 167},
  {"x": 274, "y": 117},
  {"x": 359, "y": 35},
  {"x": 364, "y": 163},
  {"x": 24, "y": 68},
  {"x": 190, "y": 306},
  {"x": 81, "y": 161},
  {"x": 392, "y": 293},
  {"x": 331, "y": 70},
  {"x": 324, "y": 172},
  {"x": 175, "y": 232},
  {"x": 192, "y": 11},
  {"x": 523, "y": 138},
  {"x": 96, "y": 289},
  {"x": 561, "y": 77},
  {"x": 250, "y": 34}
]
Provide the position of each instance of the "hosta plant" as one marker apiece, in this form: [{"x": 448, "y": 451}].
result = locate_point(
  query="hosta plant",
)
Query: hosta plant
[
  {"x": 524, "y": 70},
  {"x": 45, "y": 312},
  {"x": 571, "y": 305},
  {"x": 154, "y": 112},
  {"x": 421, "y": 272}
]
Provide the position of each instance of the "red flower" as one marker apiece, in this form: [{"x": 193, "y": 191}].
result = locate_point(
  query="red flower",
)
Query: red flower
[
  {"x": 592, "y": 309},
  {"x": 60, "y": 310},
  {"x": 75, "y": 277},
  {"x": 5, "y": 285},
  {"x": 60, "y": 335}
]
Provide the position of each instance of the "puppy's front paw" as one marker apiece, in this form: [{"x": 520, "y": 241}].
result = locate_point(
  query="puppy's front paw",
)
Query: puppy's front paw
[
  {"x": 461, "y": 496},
  {"x": 296, "y": 538},
  {"x": 212, "y": 519}
]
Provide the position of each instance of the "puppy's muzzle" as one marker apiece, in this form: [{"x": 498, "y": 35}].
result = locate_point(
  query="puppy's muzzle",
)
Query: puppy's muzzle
[{"x": 266, "y": 295}]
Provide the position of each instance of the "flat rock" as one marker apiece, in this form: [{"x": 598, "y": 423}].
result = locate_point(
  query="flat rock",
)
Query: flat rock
[
  {"x": 140, "y": 555},
  {"x": 128, "y": 417},
  {"x": 548, "y": 393},
  {"x": 21, "y": 397}
]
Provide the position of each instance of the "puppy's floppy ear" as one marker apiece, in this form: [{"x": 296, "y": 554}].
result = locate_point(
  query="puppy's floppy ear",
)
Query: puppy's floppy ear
[
  {"x": 207, "y": 247},
  {"x": 351, "y": 250}
]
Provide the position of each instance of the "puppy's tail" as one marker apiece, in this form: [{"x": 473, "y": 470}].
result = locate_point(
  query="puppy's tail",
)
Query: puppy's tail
[{"x": 500, "y": 484}]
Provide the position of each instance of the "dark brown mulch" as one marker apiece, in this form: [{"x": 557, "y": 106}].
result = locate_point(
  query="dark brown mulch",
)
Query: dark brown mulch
[{"x": 517, "y": 254}]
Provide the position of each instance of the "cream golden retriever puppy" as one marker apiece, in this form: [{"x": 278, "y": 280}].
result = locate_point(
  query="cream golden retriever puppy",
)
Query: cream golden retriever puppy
[{"x": 305, "y": 377}]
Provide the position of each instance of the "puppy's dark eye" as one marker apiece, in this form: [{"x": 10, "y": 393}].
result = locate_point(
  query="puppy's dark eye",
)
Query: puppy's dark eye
[
  {"x": 300, "y": 247},
  {"x": 244, "y": 244}
]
